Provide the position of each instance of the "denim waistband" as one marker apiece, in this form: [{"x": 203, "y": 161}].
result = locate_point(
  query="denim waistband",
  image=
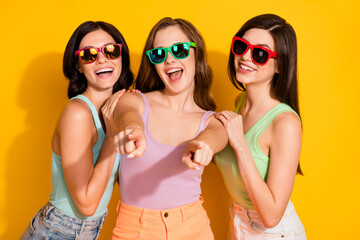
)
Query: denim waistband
[{"x": 56, "y": 215}]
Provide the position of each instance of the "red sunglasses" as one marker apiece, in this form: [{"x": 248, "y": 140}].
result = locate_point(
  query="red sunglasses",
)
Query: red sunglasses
[
  {"x": 89, "y": 55},
  {"x": 259, "y": 55}
]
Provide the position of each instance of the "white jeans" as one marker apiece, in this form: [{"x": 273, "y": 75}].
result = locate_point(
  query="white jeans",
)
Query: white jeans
[{"x": 246, "y": 224}]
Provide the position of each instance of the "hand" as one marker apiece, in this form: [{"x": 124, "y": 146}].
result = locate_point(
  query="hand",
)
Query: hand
[
  {"x": 108, "y": 113},
  {"x": 233, "y": 124},
  {"x": 196, "y": 154},
  {"x": 132, "y": 141},
  {"x": 134, "y": 91}
]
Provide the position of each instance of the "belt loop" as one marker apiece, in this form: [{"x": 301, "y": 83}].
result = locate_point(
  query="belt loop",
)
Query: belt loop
[
  {"x": 248, "y": 215},
  {"x": 142, "y": 215},
  {"x": 118, "y": 206},
  {"x": 48, "y": 208},
  {"x": 81, "y": 229},
  {"x": 182, "y": 215}
]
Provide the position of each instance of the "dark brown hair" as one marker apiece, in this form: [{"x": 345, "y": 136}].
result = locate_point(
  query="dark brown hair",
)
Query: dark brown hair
[
  {"x": 77, "y": 80},
  {"x": 148, "y": 80},
  {"x": 284, "y": 85}
]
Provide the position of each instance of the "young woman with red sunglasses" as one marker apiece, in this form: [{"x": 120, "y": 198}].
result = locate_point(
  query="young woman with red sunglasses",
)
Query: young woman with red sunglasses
[
  {"x": 169, "y": 135},
  {"x": 84, "y": 162},
  {"x": 262, "y": 158}
]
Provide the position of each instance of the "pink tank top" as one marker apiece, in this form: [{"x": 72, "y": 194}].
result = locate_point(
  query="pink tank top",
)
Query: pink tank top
[{"x": 159, "y": 180}]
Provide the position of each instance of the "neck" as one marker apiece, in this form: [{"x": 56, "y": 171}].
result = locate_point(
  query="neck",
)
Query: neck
[
  {"x": 258, "y": 97},
  {"x": 97, "y": 98},
  {"x": 179, "y": 102}
]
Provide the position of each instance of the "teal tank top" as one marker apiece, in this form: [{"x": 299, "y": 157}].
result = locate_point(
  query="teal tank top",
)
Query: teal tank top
[
  {"x": 60, "y": 196},
  {"x": 227, "y": 162}
]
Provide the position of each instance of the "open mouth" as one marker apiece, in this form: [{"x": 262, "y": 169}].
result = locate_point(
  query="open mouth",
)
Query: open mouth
[
  {"x": 104, "y": 71},
  {"x": 174, "y": 74},
  {"x": 246, "y": 68}
]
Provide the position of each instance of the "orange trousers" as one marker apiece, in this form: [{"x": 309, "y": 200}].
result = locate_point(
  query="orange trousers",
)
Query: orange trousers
[{"x": 183, "y": 223}]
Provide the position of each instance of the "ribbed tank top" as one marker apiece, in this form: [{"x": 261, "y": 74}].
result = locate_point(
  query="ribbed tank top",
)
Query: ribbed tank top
[
  {"x": 227, "y": 162},
  {"x": 158, "y": 179},
  {"x": 60, "y": 196}
]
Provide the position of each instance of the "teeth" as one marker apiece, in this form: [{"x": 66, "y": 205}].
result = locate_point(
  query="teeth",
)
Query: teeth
[
  {"x": 246, "y": 67},
  {"x": 104, "y": 70},
  {"x": 173, "y": 70}
]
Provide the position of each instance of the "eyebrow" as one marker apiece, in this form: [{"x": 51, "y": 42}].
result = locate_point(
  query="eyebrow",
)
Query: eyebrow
[
  {"x": 96, "y": 47},
  {"x": 261, "y": 45},
  {"x": 170, "y": 45}
]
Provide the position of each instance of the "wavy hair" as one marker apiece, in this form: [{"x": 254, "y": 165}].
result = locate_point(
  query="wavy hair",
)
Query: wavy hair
[
  {"x": 148, "y": 80},
  {"x": 77, "y": 80}
]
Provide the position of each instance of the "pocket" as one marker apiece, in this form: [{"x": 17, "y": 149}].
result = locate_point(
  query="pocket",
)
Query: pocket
[
  {"x": 258, "y": 228},
  {"x": 61, "y": 233},
  {"x": 29, "y": 231},
  {"x": 127, "y": 226}
]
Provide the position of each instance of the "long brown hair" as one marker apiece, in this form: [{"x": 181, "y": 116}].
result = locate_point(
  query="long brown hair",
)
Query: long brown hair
[
  {"x": 284, "y": 85},
  {"x": 148, "y": 80}
]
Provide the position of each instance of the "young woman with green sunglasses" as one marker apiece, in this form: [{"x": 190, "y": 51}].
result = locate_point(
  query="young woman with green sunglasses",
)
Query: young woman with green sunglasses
[{"x": 169, "y": 135}]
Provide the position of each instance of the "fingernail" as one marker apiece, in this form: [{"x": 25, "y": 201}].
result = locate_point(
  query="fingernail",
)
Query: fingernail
[
  {"x": 197, "y": 168},
  {"x": 130, "y": 155}
]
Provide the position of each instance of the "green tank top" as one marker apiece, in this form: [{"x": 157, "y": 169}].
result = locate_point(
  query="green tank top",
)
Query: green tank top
[
  {"x": 60, "y": 196},
  {"x": 227, "y": 162}
]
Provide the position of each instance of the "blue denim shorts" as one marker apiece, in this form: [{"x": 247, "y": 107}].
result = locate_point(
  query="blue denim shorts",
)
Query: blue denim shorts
[{"x": 50, "y": 223}]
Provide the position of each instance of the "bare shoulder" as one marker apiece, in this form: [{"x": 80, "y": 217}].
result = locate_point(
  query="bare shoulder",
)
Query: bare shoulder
[
  {"x": 77, "y": 112},
  {"x": 287, "y": 123},
  {"x": 212, "y": 121},
  {"x": 130, "y": 100},
  {"x": 131, "y": 96}
]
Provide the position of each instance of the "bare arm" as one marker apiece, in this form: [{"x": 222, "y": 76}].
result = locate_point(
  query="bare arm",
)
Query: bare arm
[
  {"x": 210, "y": 141},
  {"x": 131, "y": 138},
  {"x": 86, "y": 182},
  {"x": 269, "y": 198}
]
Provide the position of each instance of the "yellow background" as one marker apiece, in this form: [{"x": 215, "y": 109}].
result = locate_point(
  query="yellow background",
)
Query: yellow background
[{"x": 33, "y": 92}]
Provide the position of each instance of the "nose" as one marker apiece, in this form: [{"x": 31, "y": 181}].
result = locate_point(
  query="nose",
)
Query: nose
[
  {"x": 169, "y": 58},
  {"x": 247, "y": 55},
  {"x": 101, "y": 57}
]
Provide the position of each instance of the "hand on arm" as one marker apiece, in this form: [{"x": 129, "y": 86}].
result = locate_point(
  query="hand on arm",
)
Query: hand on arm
[
  {"x": 212, "y": 139},
  {"x": 269, "y": 198},
  {"x": 130, "y": 132}
]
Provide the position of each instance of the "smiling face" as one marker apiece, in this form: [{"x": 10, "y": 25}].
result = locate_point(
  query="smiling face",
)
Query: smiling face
[
  {"x": 248, "y": 72},
  {"x": 177, "y": 74},
  {"x": 103, "y": 73}
]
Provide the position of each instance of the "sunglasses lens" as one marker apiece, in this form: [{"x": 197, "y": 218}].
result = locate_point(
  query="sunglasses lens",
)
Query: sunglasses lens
[
  {"x": 181, "y": 50},
  {"x": 112, "y": 51},
  {"x": 157, "y": 55},
  {"x": 88, "y": 55},
  {"x": 239, "y": 47},
  {"x": 260, "y": 55}
]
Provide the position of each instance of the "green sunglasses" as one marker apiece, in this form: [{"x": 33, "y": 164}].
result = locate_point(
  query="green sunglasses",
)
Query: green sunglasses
[{"x": 178, "y": 50}]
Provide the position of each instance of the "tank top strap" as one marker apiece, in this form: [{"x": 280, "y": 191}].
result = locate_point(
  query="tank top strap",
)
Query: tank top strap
[
  {"x": 204, "y": 117},
  {"x": 145, "y": 115},
  {"x": 265, "y": 121},
  {"x": 94, "y": 113},
  {"x": 240, "y": 103}
]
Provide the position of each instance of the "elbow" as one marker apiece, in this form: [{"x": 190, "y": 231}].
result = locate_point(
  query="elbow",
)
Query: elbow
[
  {"x": 87, "y": 211},
  {"x": 271, "y": 221}
]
